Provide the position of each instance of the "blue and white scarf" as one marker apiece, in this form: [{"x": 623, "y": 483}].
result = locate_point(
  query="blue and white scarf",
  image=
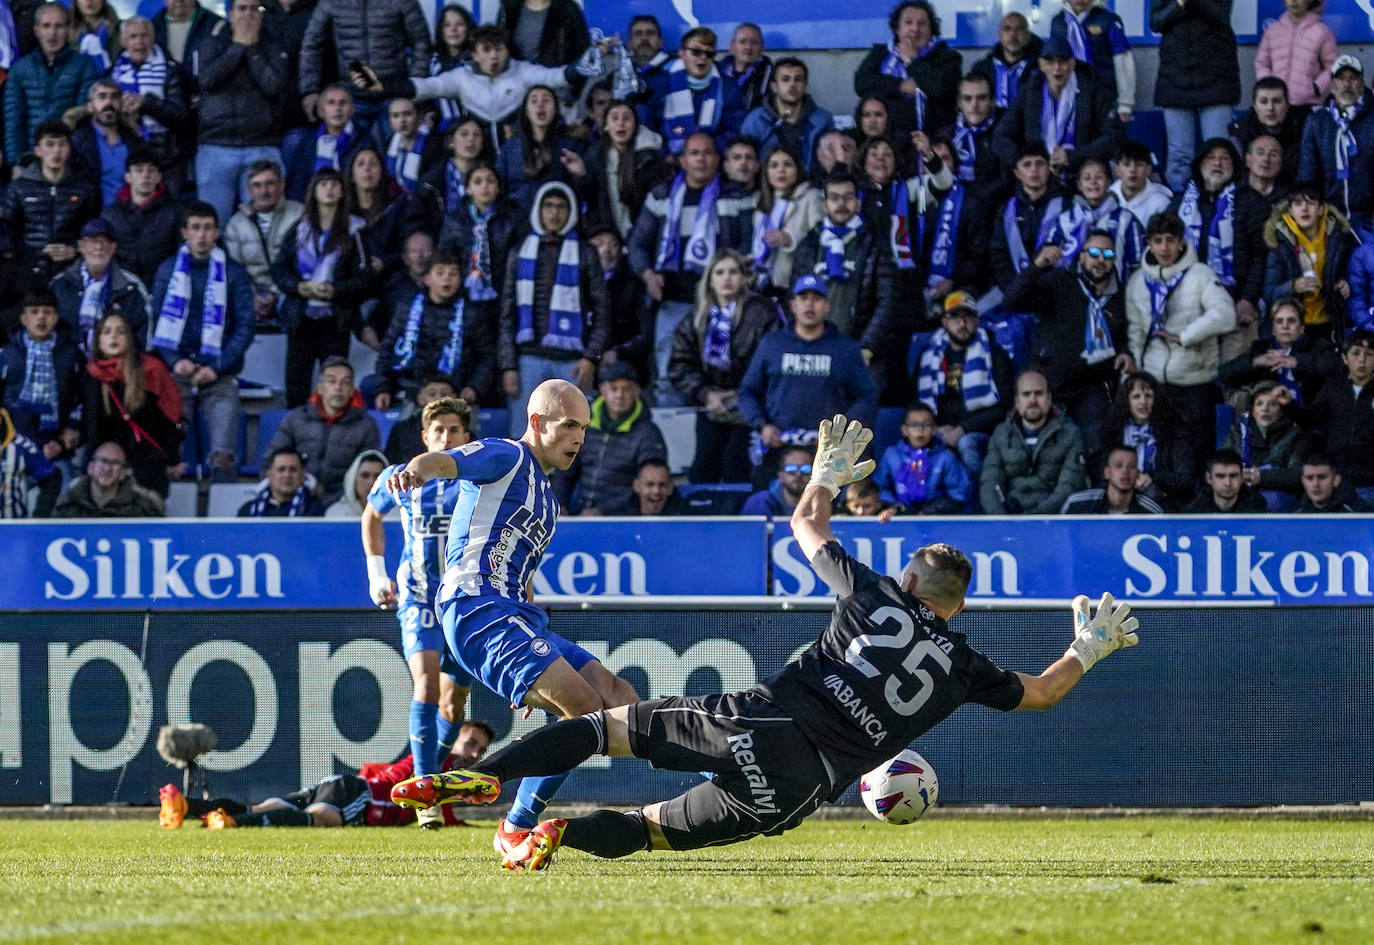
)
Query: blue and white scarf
[
  {"x": 945, "y": 242},
  {"x": 833, "y": 238},
  {"x": 448, "y": 108},
  {"x": 1247, "y": 444},
  {"x": 315, "y": 265},
  {"x": 9, "y": 38},
  {"x": 1019, "y": 257},
  {"x": 894, "y": 67},
  {"x": 403, "y": 163},
  {"x": 455, "y": 188},
  {"x": 171, "y": 320},
  {"x": 299, "y": 502},
  {"x": 1221, "y": 235},
  {"x": 1141, "y": 438},
  {"x": 1057, "y": 114},
  {"x": 147, "y": 79},
  {"x": 701, "y": 244},
  {"x": 762, "y": 252},
  {"x": 1077, "y": 36},
  {"x": 904, "y": 247},
  {"x": 978, "y": 387},
  {"x": 330, "y": 149},
  {"x": 681, "y": 115},
  {"x": 1159, "y": 297},
  {"x": 478, "y": 279},
  {"x": 40, "y": 381},
  {"x": 452, "y": 354},
  {"x": 1097, "y": 332},
  {"x": 1286, "y": 376},
  {"x": 565, "y": 302},
  {"x": 966, "y": 144},
  {"x": 1346, "y": 145},
  {"x": 715, "y": 346},
  {"x": 1006, "y": 81},
  {"x": 92, "y": 46},
  {"x": 94, "y": 294}
]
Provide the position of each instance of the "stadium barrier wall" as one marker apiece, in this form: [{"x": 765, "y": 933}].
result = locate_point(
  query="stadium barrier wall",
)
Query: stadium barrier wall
[{"x": 1214, "y": 707}]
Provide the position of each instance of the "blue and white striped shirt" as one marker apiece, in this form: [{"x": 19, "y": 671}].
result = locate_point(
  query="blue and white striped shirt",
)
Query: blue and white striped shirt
[{"x": 425, "y": 514}]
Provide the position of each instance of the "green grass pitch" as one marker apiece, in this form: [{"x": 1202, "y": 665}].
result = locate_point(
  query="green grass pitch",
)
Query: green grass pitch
[{"x": 1157, "y": 880}]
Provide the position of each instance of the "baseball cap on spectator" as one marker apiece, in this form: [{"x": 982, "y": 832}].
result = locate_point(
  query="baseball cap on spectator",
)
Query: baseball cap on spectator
[
  {"x": 959, "y": 301},
  {"x": 97, "y": 227},
  {"x": 1056, "y": 47},
  {"x": 616, "y": 371},
  {"x": 810, "y": 283},
  {"x": 1347, "y": 61}
]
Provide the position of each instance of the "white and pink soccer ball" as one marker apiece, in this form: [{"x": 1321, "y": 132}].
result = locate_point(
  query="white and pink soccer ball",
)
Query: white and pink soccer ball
[{"x": 901, "y": 789}]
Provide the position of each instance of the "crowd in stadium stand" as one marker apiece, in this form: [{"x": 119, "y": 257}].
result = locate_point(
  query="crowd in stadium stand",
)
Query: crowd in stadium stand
[{"x": 1055, "y": 314}]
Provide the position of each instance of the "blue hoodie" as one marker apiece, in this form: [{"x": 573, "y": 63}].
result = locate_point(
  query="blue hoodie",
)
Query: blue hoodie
[
  {"x": 794, "y": 384},
  {"x": 948, "y": 487}
]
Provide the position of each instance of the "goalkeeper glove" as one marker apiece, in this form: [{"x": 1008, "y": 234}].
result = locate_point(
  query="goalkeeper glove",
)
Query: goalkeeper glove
[
  {"x": 379, "y": 585},
  {"x": 1111, "y": 628},
  {"x": 839, "y": 445}
]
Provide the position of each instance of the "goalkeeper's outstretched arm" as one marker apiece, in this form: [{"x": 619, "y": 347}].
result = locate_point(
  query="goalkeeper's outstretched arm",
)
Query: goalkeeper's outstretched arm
[
  {"x": 1095, "y": 636},
  {"x": 839, "y": 444}
]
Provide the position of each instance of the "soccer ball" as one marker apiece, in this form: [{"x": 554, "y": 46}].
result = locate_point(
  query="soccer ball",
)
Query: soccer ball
[{"x": 901, "y": 789}]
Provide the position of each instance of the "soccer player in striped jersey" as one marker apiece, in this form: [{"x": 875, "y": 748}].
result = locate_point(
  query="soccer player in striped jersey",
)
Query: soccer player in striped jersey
[
  {"x": 441, "y": 686},
  {"x": 500, "y": 527}
]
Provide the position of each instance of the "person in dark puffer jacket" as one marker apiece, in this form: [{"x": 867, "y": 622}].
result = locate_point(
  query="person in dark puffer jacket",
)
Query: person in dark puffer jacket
[
  {"x": 46, "y": 206},
  {"x": 391, "y": 36},
  {"x": 146, "y": 220},
  {"x": 45, "y": 83}
]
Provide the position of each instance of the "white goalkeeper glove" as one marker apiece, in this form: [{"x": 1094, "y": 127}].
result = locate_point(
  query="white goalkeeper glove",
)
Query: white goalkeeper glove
[
  {"x": 839, "y": 445},
  {"x": 1111, "y": 628},
  {"x": 379, "y": 584}
]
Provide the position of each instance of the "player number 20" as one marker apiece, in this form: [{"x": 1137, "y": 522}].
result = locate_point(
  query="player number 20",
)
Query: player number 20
[{"x": 911, "y": 663}]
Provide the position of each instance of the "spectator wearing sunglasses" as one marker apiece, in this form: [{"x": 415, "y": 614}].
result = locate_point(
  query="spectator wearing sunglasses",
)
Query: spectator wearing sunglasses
[
  {"x": 1080, "y": 346},
  {"x": 780, "y": 498}
]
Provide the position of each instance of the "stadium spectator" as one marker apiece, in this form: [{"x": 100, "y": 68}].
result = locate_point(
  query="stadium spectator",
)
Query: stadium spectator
[
  {"x": 1176, "y": 308},
  {"x": 1063, "y": 110},
  {"x": 390, "y": 36},
  {"x": 1120, "y": 495},
  {"x": 379, "y": 203},
  {"x": 1011, "y": 61},
  {"x": 129, "y": 398},
  {"x": 800, "y": 374},
  {"x": 357, "y": 483},
  {"x": 1024, "y": 223},
  {"x": 45, "y": 83},
  {"x": 1094, "y": 207},
  {"x": 46, "y": 206},
  {"x": 240, "y": 76},
  {"x": 1035, "y": 456},
  {"x": 788, "y": 208},
  {"x": 1310, "y": 243},
  {"x": 1270, "y": 114},
  {"x": 651, "y": 494},
  {"x": 1097, "y": 38},
  {"x": 1225, "y": 490},
  {"x": 862, "y": 498},
  {"x": 965, "y": 377},
  {"x": 320, "y": 272},
  {"x": 410, "y": 146},
  {"x": 624, "y": 166},
  {"x": 545, "y": 32},
  {"x": 978, "y": 167},
  {"x": 1321, "y": 488},
  {"x": 1142, "y": 419},
  {"x": 1271, "y": 446},
  {"x": 285, "y": 23},
  {"x": 920, "y": 474},
  {"x": 95, "y": 32},
  {"x": 103, "y": 136},
  {"x": 1080, "y": 345},
  {"x": 650, "y": 61},
  {"x": 916, "y": 72},
  {"x": 183, "y": 28},
  {"x": 712, "y": 349},
  {"x": 1133, "y": 188},
  {"x": 630, "y": 331},
  {"x": 285, "y": 493},
  {"x": 334, "y": 144},
  {"x": 872, "y": 120},
  {"x": 1263, "y": 165},
  {"x": 788, "y": 116},
  {"x": 619, "y": 439},
  {"x": 740, "y": 166},
  {"x": 1360, "y": 276},
  {"x": 747, "y": 63},
  {"x": 1338, "y": 143},
  {"x": 554, "y": 319},
  {"x": 22, "y": 466},
  {"x": 696, "y": 98},
  {"x": 540, "y": 150},
  {"x": 155, "y": 97},
  {"x": 439, "y": 331},
  {"x": 835, "y": 149},
  {"x": 108, "y": 491},
  {"x": 956, "y": 232},
  {"x": 1209, "y": 208},
  {"x": 466, "y": 148},
  {"x": 856, "y": 265},
  {"x": 254, "y": 234},
  {"x": 1299, "y": 361},
  {"x": 330, "y": 429},
  {"x": 1199, "y": 76},
  {"x": 1299, "y": 49},
  {"x": 144, "y": 217},
  {"x": 40, "y": 371},
  {"x": 95, "y": 285},
  {"x": 790, "y": 481},
  {"x": 203, "y": 306},
  {"x": 1343, "y": 415},
  {"x": 452, "y": 48},
  {"x": 403, "y": 443},
  {"x": 480, "y": 231}
]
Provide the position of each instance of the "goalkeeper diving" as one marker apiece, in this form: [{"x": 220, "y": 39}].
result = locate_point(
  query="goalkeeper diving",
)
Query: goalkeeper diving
[{"x": 887, "y": 669}]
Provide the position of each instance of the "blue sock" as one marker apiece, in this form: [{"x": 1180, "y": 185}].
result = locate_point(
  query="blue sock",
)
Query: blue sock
[
  {"x": 448, "y": 734},
  {"x": 424, "y": 737},
  {"x": 534, "y": 795}
]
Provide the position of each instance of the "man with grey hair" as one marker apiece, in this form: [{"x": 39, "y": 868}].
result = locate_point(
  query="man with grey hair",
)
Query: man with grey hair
[
  {"x": 155, "y": 97},
  {"x": 255, "y": 232},
  {"x": 45, "y": 83}
]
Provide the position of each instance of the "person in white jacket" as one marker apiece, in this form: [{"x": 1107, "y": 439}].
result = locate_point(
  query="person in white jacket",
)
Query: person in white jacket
[{"x": 1176, "y": 310}]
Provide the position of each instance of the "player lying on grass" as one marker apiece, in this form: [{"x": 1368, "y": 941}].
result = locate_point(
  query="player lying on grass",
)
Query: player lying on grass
[
  {"x": 885, "y": 671},
  {"x": 343, "y": 800}
]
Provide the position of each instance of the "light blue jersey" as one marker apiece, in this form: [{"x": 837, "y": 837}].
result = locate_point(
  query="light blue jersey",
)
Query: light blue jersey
[
  {"x": 426, "y": 512},
  {"x": 502, "y": 523}
]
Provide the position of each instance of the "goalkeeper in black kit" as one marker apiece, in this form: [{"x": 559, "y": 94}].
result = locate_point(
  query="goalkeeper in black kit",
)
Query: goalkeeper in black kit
[{"x": 886, "y": 670}]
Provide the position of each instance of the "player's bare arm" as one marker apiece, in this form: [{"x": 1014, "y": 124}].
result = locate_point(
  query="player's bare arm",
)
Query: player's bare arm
[
  {"x": 1095, "y": 636},
  {"x": 380, "y": 586},
  {"x": 421, "y": 470}
]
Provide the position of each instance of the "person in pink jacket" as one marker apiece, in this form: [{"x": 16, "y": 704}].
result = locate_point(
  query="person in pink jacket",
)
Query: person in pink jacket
[{"x": 1298, "y": 48}]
